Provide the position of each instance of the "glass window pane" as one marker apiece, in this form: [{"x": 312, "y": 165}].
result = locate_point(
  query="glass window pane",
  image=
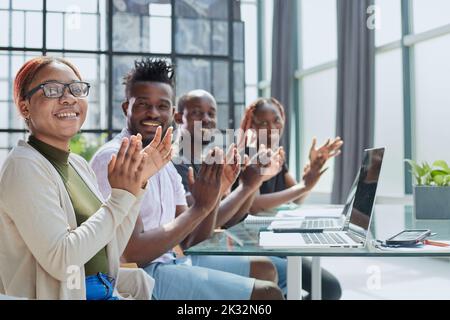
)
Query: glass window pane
[
  {"x": 4, "y": 25},
  {"x": 220, "y": 38},
  {"x": 429, "y": 14},
  {"x": 215, "y": 9},
  {"x": 319, "y": 32},
  {"x": 193, "y": 74},
  {"x": 18, "y": 28},
  {"x": 11, "y": 63},
  {"x": 121, "y": 66},
  {"x": 160, "y": 9},
  {"x": 318, "y": 118},
  {"x": 249, "y": 16},
  {"x": 81, "y": 31},
  {"x": 238, "y": 38},
  {"x": 76, "y": 25},
  {"x": 389, "y": 119},
  {"x": 268, "y": 30},
  {"x": 238, "y": 114},
  {"x": 128, "y": 31},
  {"x": 160, "y": 35},
  {"x": 4, "y": 90},
  {"x": 220, "y": 81},
  {"x": 251, "y": 94},
  {"x": 33, "y": 37},
  {"x": 138, "y": 26},
  {"x": 193, "y": 36},
  {"x": 223, "y": 116},
  {"x": 432, "y": 99},
  {"x": 26, "y": 4},
  {"x": 390, "y": 24},
  {"x": 88, "y": 6},
  {"x": 239, "y": 83},
  {"x": 55, "y": 37}
]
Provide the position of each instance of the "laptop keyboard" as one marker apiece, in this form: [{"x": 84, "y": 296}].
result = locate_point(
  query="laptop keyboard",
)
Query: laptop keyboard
[
  {"x": 317, "y": 224},
  {"x": 322, "y": 238}
]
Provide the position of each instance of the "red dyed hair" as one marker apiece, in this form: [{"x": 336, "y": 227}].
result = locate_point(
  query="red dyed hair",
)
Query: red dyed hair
[
  {"x": 246, "y": 122},
  {"x": 29, "y": 70}
]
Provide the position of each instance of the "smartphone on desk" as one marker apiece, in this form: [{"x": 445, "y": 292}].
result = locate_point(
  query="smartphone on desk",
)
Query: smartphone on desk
[{"x": 408, "y": 237}]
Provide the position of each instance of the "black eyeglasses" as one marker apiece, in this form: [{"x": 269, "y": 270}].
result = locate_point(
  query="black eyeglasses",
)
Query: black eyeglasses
[{"x": 56, "y": 89}]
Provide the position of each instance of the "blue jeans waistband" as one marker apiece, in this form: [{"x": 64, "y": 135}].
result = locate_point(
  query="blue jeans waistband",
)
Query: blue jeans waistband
[{"x": 100, "y": 287}]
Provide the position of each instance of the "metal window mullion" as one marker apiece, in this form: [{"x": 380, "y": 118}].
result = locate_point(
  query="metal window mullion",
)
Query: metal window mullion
[
  {"x": 298, "y": 90},
  {"x": 261, "y": 34},
  {"x": 173, "y": 54},
  {"x": 44, "y": 27},
  {"x": 408, "y": 91},
  {"x": 231, "y": 64},
  {"x": 109, "y": 100}
]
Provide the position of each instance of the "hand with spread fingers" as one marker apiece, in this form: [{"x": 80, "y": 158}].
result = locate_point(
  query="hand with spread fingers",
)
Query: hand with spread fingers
[
  {"x": 126, "y": 169},
  {"x": 271, "y": 162},
  {"x": 312, "y": 175},
  {"x": 331, "y": 148},
  {"x": 231, "y": 168},
  {"x": 206, "y": 187},
  {"x": 159, "y": 153}
]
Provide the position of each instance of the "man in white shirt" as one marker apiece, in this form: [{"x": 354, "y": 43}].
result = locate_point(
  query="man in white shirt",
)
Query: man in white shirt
[{"x": 165, "y": 220}]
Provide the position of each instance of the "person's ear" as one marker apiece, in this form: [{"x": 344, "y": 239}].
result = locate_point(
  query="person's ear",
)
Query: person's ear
[
  {"x": 125, "y": 107},
  {"x": 178, "y": 117},
  {"x": 24, "y": 108}
]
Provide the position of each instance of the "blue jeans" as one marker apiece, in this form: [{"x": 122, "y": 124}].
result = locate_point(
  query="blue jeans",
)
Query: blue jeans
[
  {"x": 202, "y": 279},
  {"x": 100, "y": 287}
]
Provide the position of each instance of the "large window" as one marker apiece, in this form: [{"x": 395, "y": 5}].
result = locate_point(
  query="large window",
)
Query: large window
[
  {"x": 389, "y": 97},
  {"x": 317, "y": 80},
  {"x": 203, "y": 38},
  {"x": 411, "y": 83}
]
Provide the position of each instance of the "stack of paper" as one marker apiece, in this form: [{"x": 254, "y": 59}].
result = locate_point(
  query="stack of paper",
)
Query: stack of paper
[
  {"x": 269, "y": 239},
  {"x": 312, "y": 213}
]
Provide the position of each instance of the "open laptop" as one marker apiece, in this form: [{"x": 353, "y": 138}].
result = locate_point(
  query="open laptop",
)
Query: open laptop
[
  {"x": 312, "y": 224},
  {"x": 355, "y": 232}
]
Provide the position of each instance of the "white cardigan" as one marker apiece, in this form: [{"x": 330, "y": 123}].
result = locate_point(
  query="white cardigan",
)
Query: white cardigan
[{"x": 40, "y": 243}]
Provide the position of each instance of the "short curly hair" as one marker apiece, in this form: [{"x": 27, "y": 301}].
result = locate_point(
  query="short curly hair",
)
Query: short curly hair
[{"x": 149, "y": 69}]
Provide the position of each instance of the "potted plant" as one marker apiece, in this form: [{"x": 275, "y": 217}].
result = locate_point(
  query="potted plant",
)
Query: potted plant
[{"x": 431, "y": 189}]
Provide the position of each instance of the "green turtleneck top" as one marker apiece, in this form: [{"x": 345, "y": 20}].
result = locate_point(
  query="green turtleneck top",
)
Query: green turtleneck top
[{"x": 84, "y": 201}]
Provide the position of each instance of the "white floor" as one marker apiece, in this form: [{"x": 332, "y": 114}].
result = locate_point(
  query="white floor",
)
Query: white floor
[{"x": 391, "y": 278}]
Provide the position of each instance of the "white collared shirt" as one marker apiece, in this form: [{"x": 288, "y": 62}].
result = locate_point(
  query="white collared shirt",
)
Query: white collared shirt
[{"x": 164, "y": 192}]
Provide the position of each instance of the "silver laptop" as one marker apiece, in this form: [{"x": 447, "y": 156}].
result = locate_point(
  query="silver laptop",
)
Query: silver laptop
[
  {"x": 360, "y": 208},
  {"x": 331, "y": 224}
]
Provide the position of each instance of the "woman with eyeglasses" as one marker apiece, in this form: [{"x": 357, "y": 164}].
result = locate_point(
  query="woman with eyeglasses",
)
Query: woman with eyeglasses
[{"x": 59, "y": 239}]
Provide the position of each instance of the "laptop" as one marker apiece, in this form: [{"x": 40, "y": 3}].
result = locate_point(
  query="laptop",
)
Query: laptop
[
  {"x": 356, "y": 230},
  {"x": 312, "y": 224}
]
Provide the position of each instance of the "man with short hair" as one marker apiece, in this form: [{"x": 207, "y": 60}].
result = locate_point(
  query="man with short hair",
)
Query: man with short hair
[{"x": 165, "y": 219}]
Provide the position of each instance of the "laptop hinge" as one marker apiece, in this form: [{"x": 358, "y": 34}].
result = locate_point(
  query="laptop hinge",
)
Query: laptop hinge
[{"x": 355, "y": 237}]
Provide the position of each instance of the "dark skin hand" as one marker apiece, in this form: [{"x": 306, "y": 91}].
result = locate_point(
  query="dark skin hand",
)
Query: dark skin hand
[
  {"x": 311, "y": 175},
  {"x": 146, "y": 245}
]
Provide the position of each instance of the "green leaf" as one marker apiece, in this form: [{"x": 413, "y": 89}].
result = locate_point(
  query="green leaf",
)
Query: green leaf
[
  {"x": 438, "y": 172},
  {"x": 416, "y": 169},
  {"x": 441, "y": 165},
  {"x": 439, "y": 180}
]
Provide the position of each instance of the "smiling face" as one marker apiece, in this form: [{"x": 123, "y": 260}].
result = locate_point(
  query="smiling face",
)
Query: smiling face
[
  {"x": 149, "y": 106},
  {"x": 203, "y": 109},
  {"x": 267, "y": 117},
  {"x": 54, "y": 120}
]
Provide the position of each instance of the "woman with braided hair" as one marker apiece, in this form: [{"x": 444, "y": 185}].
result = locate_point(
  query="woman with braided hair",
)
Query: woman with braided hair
[{"x": 263, "y": 123}]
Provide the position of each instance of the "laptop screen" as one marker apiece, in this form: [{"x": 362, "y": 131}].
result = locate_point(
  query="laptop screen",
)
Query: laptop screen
[{"x": 366, "y": 190}]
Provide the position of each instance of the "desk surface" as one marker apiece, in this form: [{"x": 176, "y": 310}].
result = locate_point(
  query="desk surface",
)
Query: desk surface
[{"x": 387, "y": 221}]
